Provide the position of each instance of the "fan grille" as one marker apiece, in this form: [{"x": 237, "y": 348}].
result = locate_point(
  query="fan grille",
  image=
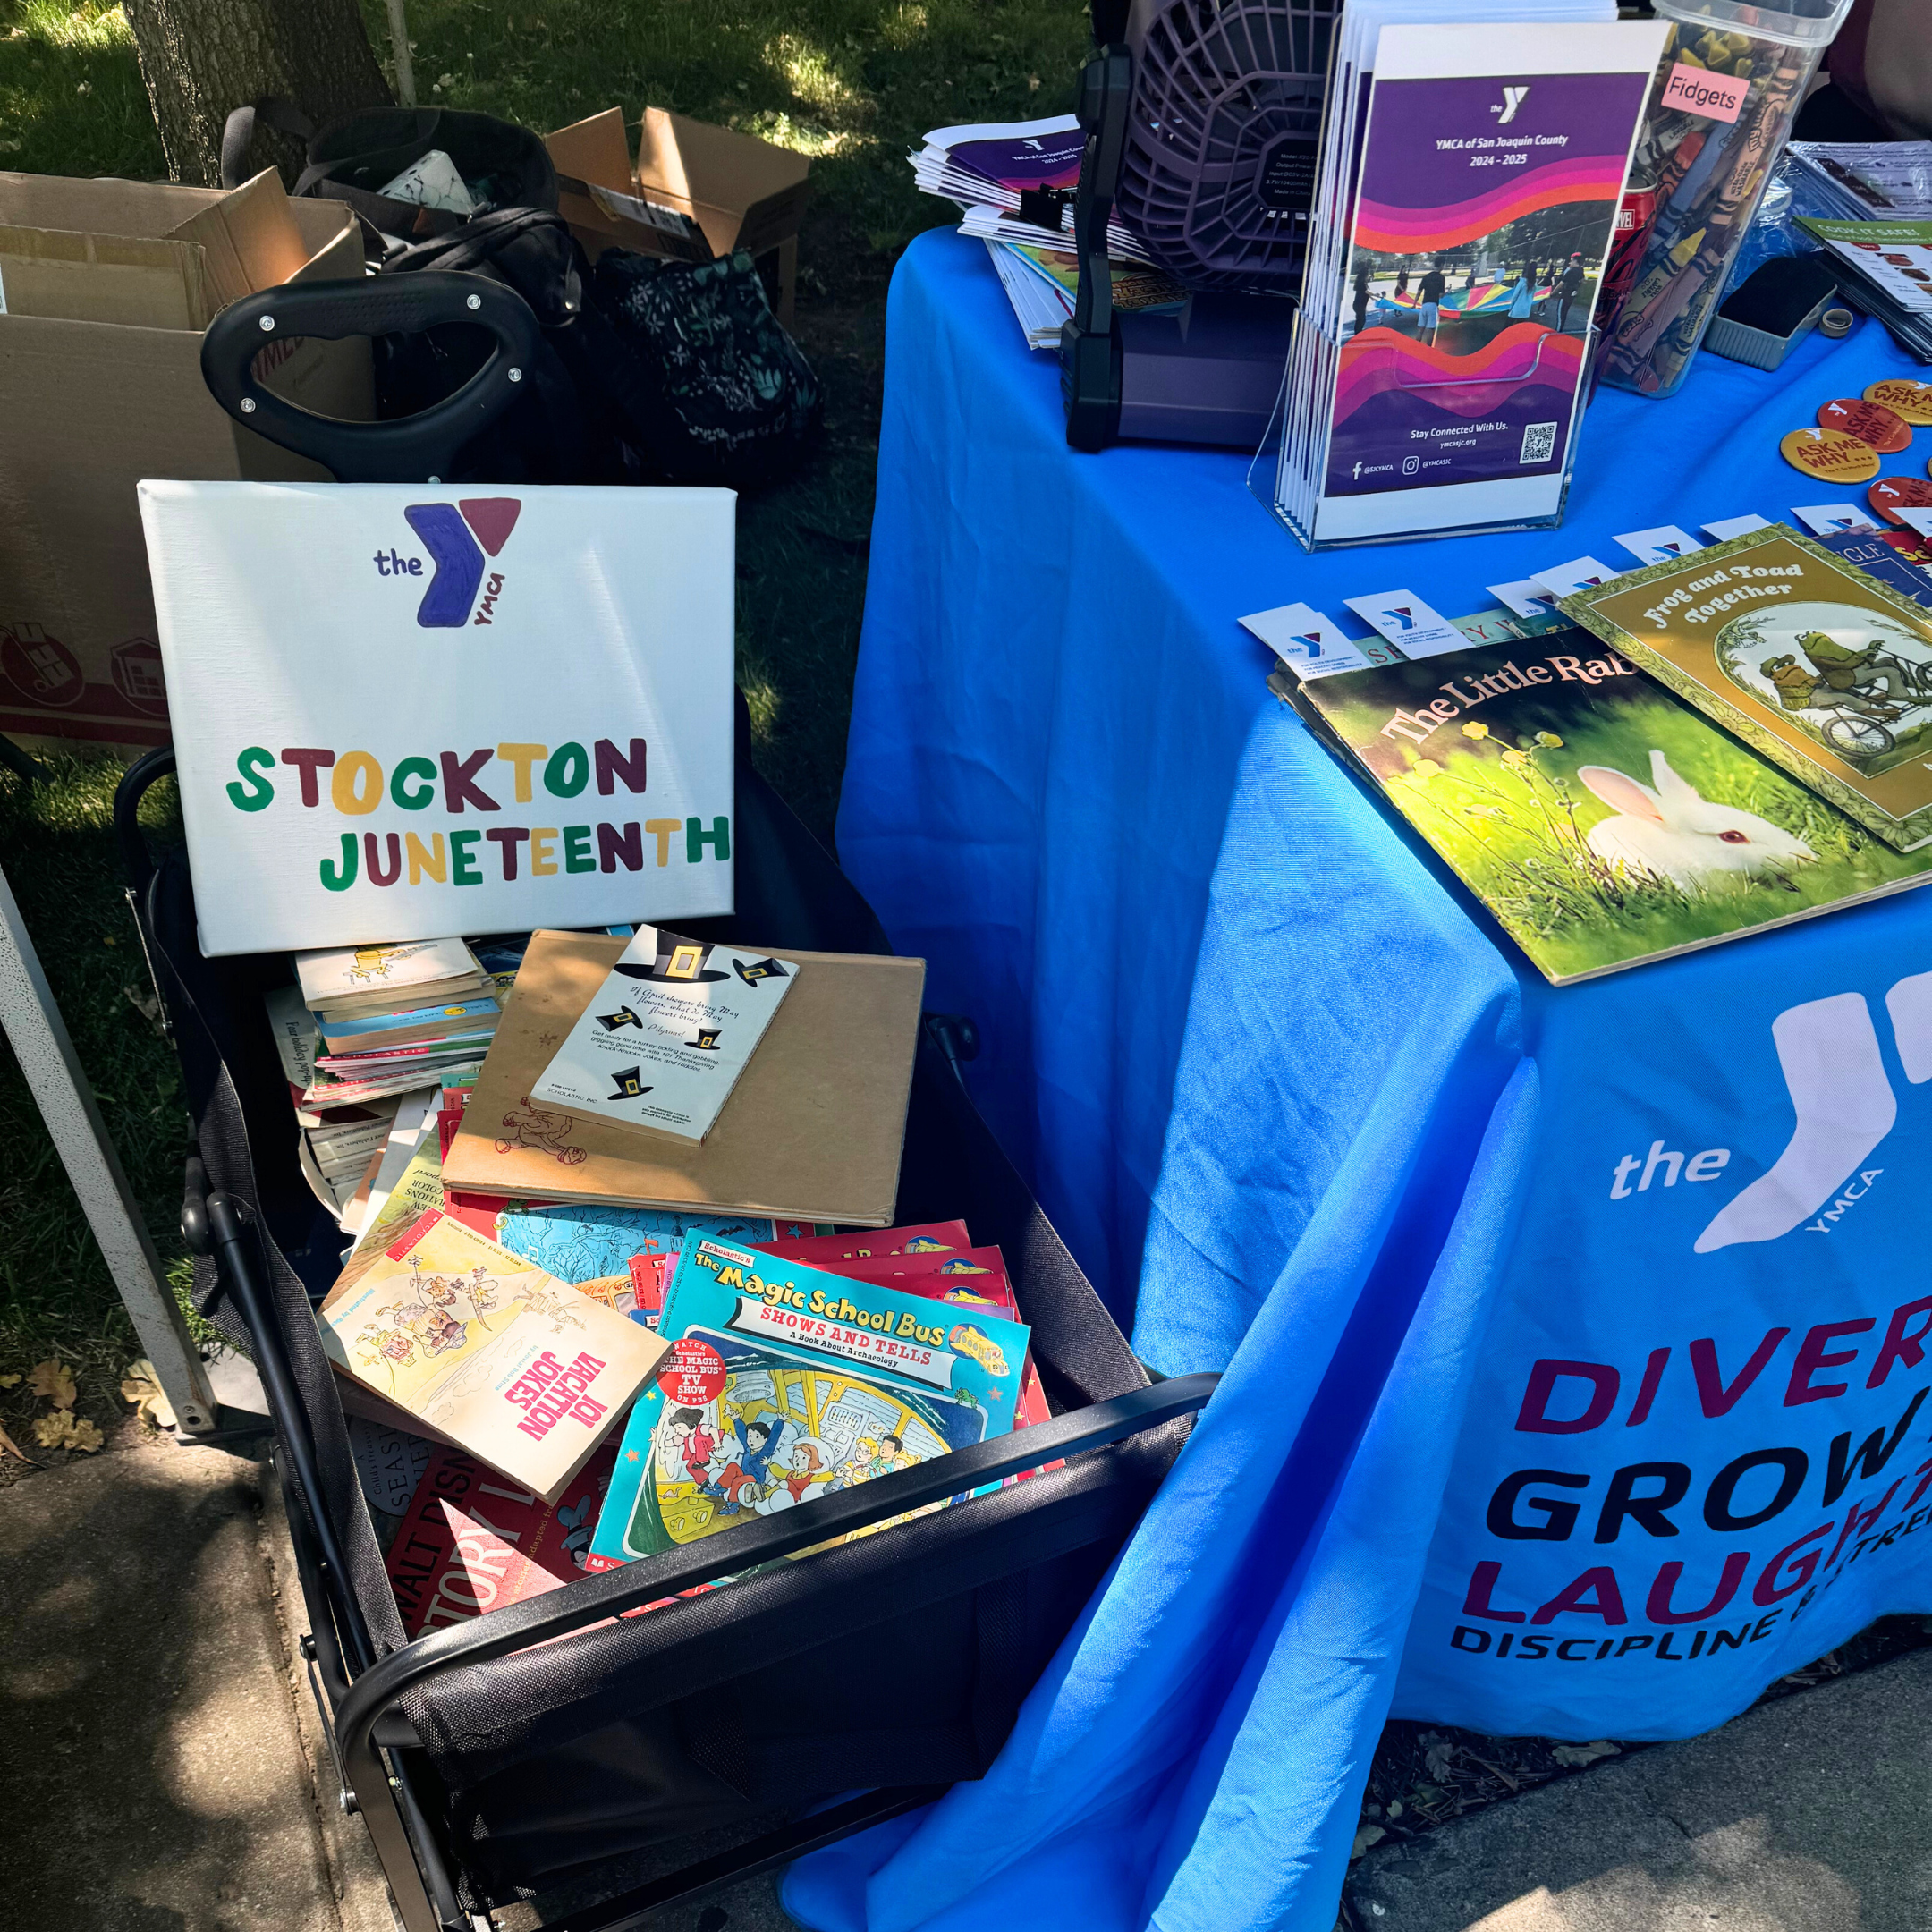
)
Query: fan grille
[{"x": 1222, "y": 136}]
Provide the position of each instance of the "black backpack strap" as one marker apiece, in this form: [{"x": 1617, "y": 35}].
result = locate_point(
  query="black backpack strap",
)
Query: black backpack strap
[{"x": 238, "y": 134}]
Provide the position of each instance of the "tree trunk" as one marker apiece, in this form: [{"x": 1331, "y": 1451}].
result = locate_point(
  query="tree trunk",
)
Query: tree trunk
[{"x": 202, "y": 59}]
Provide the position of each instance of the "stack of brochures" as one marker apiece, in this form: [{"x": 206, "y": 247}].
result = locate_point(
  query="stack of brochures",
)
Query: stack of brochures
[
  {"x": 1014, "y": 182},
  {"x": 1472, "y": 163},
  {"x": 1864, "y": 181},
  {"x": 1885, "y": 266}
]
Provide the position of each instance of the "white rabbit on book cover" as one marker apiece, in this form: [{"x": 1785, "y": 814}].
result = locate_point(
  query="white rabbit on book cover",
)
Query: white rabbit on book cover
[{"x": 1673, "y": 832}]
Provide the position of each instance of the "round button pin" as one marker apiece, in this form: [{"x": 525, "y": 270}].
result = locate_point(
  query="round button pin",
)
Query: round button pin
[
  {"x": 1884, "y": 429},
  {"x": 1903, "y": 397},
  {"x": 1830, "y": 453},
  {"x": 1890, "y": 494}
]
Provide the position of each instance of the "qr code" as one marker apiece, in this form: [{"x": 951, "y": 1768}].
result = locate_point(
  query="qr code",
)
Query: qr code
[{"x": 1538, "y": 443}]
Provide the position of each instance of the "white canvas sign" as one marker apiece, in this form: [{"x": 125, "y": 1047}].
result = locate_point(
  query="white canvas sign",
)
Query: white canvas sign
[{"x": 401, "y": 711}]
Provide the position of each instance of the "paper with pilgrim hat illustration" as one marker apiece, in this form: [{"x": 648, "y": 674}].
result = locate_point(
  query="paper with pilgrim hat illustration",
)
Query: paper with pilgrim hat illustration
[{"x": 663, "y": 1043}]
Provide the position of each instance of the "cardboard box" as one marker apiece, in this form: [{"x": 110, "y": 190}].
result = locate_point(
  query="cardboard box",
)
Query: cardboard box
[
  {"x": 105, "y": 287},
  {"x": 739, "y": 193}
]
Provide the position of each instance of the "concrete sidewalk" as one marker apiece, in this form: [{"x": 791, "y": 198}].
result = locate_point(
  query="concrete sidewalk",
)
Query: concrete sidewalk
[
  {"x": 162, "y": 1768},
  {"x": 1807, "y": 1815}
]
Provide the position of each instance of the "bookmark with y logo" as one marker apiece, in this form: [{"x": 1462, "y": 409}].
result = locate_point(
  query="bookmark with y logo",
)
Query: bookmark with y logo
[
  {"x": 1307, "y": 643},
  {"x": 1408, "y": 624}
]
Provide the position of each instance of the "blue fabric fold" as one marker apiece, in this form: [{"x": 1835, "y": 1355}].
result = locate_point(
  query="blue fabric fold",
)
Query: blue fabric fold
[{"x": 1284, "y": 1083}]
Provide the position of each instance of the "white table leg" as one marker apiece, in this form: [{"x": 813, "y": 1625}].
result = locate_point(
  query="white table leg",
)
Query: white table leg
[{"x": 39, "y": 1035}]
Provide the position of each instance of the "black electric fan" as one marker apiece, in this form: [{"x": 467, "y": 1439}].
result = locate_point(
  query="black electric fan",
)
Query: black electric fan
[{"x": 1203, "y": 125}]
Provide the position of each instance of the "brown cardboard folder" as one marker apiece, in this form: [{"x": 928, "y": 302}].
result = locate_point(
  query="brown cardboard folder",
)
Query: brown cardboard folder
[{"x": 812, "y": 1131}]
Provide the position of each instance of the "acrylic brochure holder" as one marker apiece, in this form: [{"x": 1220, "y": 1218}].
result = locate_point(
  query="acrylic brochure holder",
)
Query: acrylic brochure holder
[{"x": 1523, "y": 392}]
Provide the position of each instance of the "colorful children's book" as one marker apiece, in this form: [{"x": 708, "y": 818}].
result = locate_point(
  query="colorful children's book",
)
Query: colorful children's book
[
  {"x": 785, "y": 1383},
  {"x": 490, "y": 1351},
  {"x": 1822, "y": 668},
  {"x": 472, "y": 1542},
  {"x": 932, "y": 1237},
  {"x": 1603, "y": 821},
  {"x": 1886, "y": 555}
]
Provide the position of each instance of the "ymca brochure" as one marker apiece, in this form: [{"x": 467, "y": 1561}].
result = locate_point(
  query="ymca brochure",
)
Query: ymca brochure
[
  {"x": 664, "y": 1042},
  {"x": 1602, "y": 821},
  {"x": 489, "y": 1351},
  {"x": 1812, "y": 662},
  {"x": 785, "y": 1383},
  {"x": 1470, "y": 182}
]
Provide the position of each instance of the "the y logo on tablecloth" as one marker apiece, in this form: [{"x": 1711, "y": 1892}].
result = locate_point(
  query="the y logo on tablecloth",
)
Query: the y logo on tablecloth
[{"x": 1829, "y": 1052}]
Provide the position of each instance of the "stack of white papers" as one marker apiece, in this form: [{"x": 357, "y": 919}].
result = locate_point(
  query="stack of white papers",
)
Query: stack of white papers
[
  {"x": 1865, "y": 181},
  {"x": 1014, "y": 182}
]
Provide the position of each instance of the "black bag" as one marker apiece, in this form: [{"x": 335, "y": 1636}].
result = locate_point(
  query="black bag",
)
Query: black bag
[
  {"x": 649, "y": 370},
  {"x": 352, "y": 159},
  {"x": 712, "y": 388}
]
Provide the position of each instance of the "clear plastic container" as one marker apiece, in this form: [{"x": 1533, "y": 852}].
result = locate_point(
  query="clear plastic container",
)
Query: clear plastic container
[{"x": 1730, "y": 85}]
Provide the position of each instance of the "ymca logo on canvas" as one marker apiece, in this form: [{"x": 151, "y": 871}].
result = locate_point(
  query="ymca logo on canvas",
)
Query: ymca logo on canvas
[{"x": 461, "y": 537}]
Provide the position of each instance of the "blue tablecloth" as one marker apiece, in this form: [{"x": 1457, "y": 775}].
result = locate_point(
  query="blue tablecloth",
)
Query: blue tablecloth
[{"x": 1572, "y": 1338}]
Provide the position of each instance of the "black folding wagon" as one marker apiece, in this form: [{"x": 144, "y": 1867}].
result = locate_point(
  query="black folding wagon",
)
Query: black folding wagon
[{"x": 491, "y": 1764}]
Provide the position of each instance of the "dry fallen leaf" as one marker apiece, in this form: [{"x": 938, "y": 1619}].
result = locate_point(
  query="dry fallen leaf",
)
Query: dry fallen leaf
[
  {"x": 1575, "y": 1755},
  {"x": 1365, "y": 1837},
  {"x": 10, "y": 1381},
  {"x": 140, "y": 1388},
  {"x": 11, "y": 1447},
  {"x": 55, "y": 1380},
  {"x": 61, "y": 1430}
]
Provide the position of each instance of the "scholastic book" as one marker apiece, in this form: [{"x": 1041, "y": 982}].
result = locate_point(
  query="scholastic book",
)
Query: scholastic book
[
  {"x": 1601, "y": 821},
  {"x": 470, "y": 1542},
  {"x": 491, "y": 1352},
  {"x": 930, "y": 1237},
  {"x": 669, "y": 1032},
  {"x": 1822, "y": 668},
  {"x": 785, "y": 1383}
]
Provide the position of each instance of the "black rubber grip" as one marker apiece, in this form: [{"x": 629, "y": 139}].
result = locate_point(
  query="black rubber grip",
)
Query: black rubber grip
[{"x": 414, "y": 449}]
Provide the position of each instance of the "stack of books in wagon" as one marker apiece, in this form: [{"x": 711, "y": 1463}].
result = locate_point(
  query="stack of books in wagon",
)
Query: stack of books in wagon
[{"x": 393, "y": 1017}]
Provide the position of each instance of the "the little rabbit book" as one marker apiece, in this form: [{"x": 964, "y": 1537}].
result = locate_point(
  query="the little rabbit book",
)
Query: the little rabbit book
[
  {"x": 1600, "y": 819},
  {"x": 524, "y": 1371},
  {"x": 1809, "y": 659}
]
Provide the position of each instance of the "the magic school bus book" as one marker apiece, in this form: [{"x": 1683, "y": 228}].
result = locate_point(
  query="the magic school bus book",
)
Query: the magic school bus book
[{"x": 785, "y": 1383}]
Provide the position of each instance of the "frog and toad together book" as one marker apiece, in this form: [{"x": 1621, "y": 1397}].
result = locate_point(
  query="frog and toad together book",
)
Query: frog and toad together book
[{"x": 1810, "y": 660}]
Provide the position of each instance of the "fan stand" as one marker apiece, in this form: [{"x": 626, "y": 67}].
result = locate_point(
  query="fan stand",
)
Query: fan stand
[{"x": 1210, "y": 373}]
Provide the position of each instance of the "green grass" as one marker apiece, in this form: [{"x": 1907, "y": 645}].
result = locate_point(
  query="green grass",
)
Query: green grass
[{"x": 853, "y": 83}]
